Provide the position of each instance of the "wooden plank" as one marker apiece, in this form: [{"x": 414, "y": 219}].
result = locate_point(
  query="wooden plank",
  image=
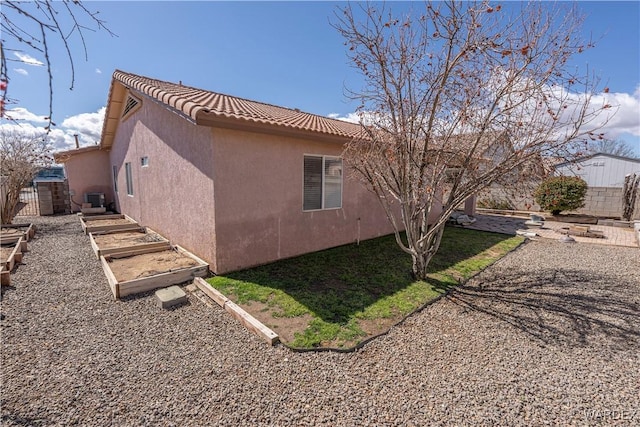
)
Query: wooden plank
[
  {"x": 92, "y": 218},
  {"x": 579, "y": 228},
  {"x": 14, "y": 256},
  {"x": 251, "y": 323},
  {"x": 210, "y": 291},
  {"x": 94, "y": 245},
  {"x": 161, "y": 280},
  {"x": 139, "y": 249},
  {"x": 113, "y": 227},
  {"x": 8, "y": 240},
  {"x": 129, "y": 249},
  {"x": 113, "y": 283},
  {"x": 5, "y": 276},
  {"x": 129, "y": 252},
  {"x": 28, "y": 233}
]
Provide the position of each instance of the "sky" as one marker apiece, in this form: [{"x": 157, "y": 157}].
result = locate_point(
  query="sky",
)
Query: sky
[{"x": 282, "y": 53}]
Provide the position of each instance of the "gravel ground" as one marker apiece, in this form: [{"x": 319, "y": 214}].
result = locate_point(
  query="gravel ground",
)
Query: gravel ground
[{"x": 549, "y": 335}]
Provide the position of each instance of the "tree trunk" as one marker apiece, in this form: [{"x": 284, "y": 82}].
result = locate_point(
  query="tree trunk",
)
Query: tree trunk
[{"x": 422, "y": 256}]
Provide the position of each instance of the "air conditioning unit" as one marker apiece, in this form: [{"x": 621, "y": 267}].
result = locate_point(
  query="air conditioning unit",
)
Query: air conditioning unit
[{"x": 96, "y": 199}]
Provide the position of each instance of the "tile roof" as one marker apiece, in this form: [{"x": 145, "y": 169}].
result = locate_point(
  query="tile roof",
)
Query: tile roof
[{"x": 204, "y": 106}]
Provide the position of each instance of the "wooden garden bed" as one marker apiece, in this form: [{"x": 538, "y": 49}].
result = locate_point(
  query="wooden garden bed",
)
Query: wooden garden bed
[
  {"x": 93, "y": 224},
  {"x": 10, "y": 254},
  {"x": 10, "y": 233},
  {"x": 114, "y": 242},
  {"x": 139, "y": 270}
]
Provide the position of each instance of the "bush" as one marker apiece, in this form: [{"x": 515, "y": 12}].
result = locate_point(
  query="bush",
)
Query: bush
[{"x": 561, "y": 193}]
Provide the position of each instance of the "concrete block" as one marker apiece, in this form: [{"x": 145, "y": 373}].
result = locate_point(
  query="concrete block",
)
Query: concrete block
[{"x": 170, "y": 297}]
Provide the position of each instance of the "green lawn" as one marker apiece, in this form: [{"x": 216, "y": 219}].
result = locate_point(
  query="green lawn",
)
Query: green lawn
[{"x": 341, "y": 296}]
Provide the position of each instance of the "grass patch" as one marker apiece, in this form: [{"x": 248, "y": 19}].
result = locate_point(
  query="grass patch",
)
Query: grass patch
[{"x": 349, "y": 293}]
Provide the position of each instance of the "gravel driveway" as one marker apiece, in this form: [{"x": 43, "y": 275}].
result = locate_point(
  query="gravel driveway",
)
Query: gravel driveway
[{"x": 548, "y": 335}]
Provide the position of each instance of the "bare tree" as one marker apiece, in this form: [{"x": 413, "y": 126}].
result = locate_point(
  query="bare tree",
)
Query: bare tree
[
  {"x": 617, "y": 147},
  {"x": 35, "y": 26},
  {"x": 21, "y": 157},
  {"x": 629, "y": 194},
  {"x": 457, "y": 97}
]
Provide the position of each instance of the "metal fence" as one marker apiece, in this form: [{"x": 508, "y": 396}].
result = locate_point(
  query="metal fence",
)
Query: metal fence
[{"x": 28, "y": 205}]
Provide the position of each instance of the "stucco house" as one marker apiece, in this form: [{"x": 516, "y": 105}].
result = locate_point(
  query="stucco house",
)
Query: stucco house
[
  {"x": 237, "y": 182},
  {"x": 604, "y": 174}
]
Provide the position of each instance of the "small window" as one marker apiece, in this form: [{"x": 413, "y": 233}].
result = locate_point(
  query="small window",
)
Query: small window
[
  {"x": 322, "y": 186},
  {"x": 144, "y": 161},
  {"x": 127, "y": 168},
  {"x": 115, "y": 178},
  {"x": 130, "y": 106}
]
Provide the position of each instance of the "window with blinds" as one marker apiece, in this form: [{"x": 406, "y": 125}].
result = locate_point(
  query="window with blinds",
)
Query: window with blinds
[{"x": 322, "y": 183}]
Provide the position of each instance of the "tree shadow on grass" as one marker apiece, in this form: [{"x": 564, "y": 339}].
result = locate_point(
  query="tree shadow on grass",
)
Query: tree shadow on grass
[
  {"x": 336, "y": 284},
  {"x": 568, "y": 308}
]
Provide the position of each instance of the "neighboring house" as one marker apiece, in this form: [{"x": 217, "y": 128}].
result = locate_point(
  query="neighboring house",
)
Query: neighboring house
[
  {"x": 238, "y": 182},
  {"x": 604, "y": 174}
]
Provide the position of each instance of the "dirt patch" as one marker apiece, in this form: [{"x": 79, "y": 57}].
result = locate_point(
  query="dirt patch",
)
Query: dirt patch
[
  {"x": 285, "y": 327},
  {"x": 5, "y": 252},
  {"x": 573, "y": 218},
  {"x": 101, "y": 222},
  {"x": 135, "y": 267},
  {"x": 128, "y": 238},
  {"x": 377, "y": 326}
]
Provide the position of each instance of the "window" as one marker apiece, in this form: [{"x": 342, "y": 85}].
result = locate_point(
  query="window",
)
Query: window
[
  {"x": 115, "y": 178},
  {"x": 322, "y": 183},
  {"x": 144, "y": 161},
  {"x": 127, "y": 168}
]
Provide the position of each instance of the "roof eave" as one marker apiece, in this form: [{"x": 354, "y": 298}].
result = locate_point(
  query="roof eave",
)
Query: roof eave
[{"x": 205, "y": 118}]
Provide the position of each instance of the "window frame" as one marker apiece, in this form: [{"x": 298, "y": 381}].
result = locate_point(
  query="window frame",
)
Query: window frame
[
  {"x": 129, "y": 178},
  {"x": 114, "y": 168},
  {"x": 323, "y": 182}
]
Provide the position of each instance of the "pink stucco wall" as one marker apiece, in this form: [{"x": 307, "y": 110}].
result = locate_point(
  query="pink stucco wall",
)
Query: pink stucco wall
[
  {"x": 173, "y": 195},
  {"x": 258, "y": 197},
  {"x": 88, "y": 172},
  {"x": 232, "y": 197}
]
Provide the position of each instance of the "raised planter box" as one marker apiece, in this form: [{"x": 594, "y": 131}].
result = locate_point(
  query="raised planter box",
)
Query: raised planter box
[
  {"x": 139, "y": 270},
  {"x": 12, "y": 253},
  {"x": 118, "y": 241},
  {"x": 10, "y": 233},
  {"x": 93, "y": 224}
]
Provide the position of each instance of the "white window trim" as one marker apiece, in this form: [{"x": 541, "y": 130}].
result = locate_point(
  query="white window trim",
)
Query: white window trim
[
  {"x": 324, "y": 157},
  {"x": 128, "y": 172}
]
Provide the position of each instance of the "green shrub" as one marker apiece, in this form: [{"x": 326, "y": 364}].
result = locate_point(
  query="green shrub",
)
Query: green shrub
[{"x": 561, "y": 193}]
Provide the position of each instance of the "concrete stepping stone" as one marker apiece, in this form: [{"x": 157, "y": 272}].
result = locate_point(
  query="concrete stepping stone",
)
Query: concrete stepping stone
[{"x": 170, "y": 297}]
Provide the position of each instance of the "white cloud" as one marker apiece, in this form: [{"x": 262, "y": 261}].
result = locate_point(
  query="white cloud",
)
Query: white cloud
[
  {"x": 23, "y": 115},
  {"x": 28, "y": 59},
  {"x": 98, "y": 71},
  {"x": 350, "y": 117},
  {"x": 21, "y": 71},
  {"x": 627, "y": 117},
  {"x": 88, "y": 127}
]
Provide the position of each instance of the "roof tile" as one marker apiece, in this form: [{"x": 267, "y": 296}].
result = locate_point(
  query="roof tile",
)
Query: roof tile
[{"x": 193, "y": 102}]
